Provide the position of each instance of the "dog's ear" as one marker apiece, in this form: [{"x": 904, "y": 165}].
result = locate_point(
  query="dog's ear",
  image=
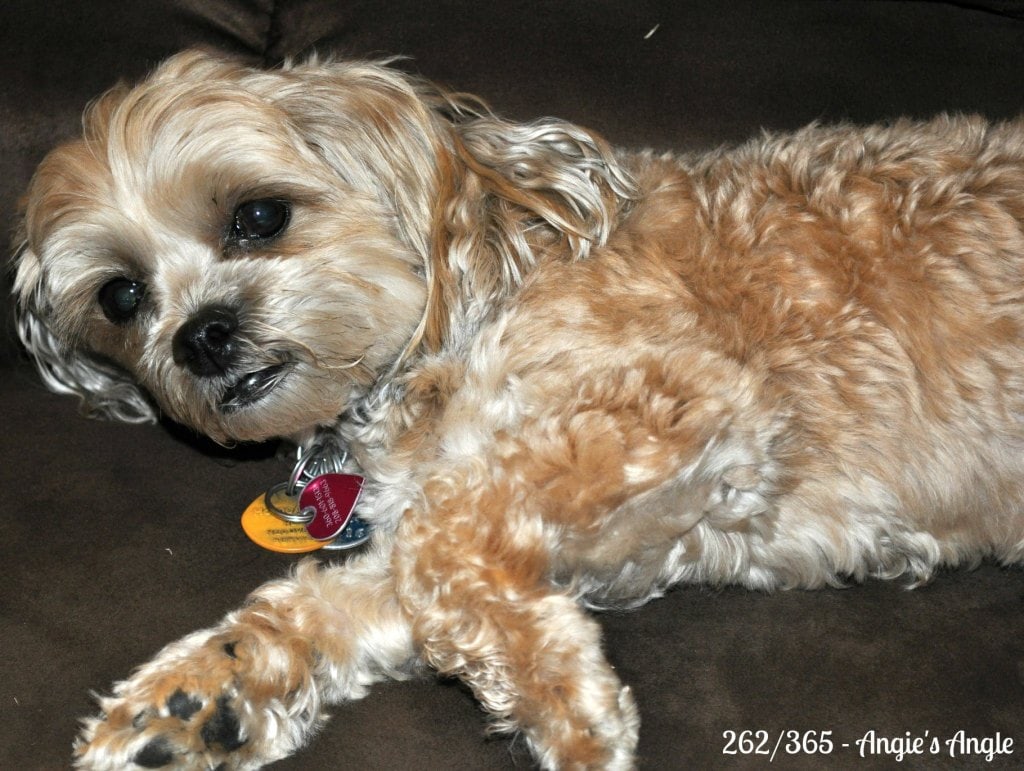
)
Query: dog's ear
[
  {"x": 105, "y": 390},
  {"x": 510, "y": 190},
  {"x": 546, "y": 171}
]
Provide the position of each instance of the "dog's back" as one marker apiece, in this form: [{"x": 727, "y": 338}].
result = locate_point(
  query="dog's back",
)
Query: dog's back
[{"x": 840, "y": 312}]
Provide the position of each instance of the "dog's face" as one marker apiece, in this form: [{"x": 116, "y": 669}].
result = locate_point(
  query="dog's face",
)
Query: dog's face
[
  {"x": 232, "y": 243},
  {"x": 251, "y": 250}
]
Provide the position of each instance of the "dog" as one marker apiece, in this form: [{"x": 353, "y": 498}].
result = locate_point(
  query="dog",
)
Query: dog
[{"x": 572, "y": 375}]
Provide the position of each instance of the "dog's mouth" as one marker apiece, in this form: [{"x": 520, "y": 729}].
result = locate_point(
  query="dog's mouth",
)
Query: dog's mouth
[{"x": 252, "y": 387}]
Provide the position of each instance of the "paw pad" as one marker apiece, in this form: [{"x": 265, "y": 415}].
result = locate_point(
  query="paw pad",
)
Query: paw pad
[
  {"x": 156, "y": 754},
  {"x": 183, "y": 706},
  {"x": 221, "y": 730},
  {"x": 223, "y": 727}
]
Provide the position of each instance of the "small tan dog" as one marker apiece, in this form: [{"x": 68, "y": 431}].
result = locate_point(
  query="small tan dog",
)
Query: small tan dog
[{"x": 573, "y": 376}]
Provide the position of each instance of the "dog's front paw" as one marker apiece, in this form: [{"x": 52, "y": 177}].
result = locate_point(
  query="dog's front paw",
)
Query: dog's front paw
[
  {"x": 605, "y": 738},
  {"x": 213, "y": 700}
]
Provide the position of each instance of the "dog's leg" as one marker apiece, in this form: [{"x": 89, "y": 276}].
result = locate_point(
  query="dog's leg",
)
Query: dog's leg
[
  {"x": 252, "y": 689},
  {"x": 484, "y": 612}
]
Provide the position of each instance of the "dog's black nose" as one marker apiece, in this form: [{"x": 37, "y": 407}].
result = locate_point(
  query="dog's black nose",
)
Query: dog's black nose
[{"x": 206, "y": 342}]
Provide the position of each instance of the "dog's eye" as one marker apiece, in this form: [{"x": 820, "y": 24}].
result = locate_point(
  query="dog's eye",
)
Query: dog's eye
[
  {"x": 261, "y": 219},
  {"x": 120, "y": 299}
]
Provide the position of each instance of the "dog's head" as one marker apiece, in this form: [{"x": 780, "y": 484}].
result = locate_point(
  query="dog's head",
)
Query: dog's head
[{"x": 245, "y": 250}]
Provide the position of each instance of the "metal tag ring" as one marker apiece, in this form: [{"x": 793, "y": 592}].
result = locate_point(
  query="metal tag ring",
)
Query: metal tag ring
[
  {"x": 315, "y": 460},
  {"x": 304, "y": 517},
  {"x": 293, "y": 485}
]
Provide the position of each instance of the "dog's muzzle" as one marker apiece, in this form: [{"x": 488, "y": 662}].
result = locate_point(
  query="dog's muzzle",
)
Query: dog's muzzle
[{"x": 207, "y": 345}]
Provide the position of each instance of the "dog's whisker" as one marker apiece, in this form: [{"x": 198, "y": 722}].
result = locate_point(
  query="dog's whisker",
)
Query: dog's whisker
[{"x": 272, "y": 337}]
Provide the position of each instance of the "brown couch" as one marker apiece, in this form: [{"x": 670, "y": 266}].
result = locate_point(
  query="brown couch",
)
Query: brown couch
[{"x": 115, "y": 539}]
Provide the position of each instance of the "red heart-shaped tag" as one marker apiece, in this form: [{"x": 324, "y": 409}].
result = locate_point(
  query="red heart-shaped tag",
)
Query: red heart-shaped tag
[{"x": 332, "y": 497}]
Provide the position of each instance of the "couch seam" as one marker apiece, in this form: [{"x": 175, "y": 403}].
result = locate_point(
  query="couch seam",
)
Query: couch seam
[{"x": 273, "y": 34}]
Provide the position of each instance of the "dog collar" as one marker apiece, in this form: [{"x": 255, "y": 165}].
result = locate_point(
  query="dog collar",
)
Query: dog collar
[{"x": 313, "y": 509}]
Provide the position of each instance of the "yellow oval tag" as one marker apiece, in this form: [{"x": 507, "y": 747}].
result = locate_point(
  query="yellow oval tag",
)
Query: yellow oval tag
[{"x": 273, "y": 533}]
